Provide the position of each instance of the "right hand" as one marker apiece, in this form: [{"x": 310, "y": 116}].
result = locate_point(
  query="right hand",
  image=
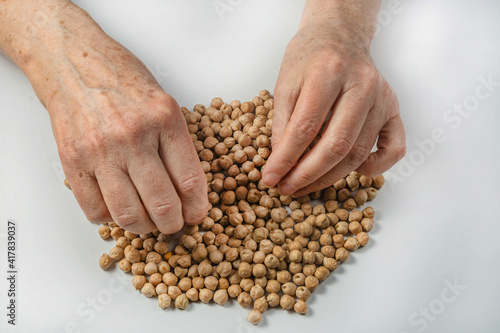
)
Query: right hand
[{"x": 123, "y": 142}]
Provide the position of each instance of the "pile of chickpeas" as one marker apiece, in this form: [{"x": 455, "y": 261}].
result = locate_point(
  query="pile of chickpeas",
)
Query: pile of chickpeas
[{"x": 256, "y": 246}]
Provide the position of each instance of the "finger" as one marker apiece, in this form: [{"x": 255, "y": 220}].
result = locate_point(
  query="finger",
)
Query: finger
[
  {"x": 285, "y": 98},
  {"x": 315, "y": 101},
  {"x": 157, "y": 193},
  {"x": 358, "y": 154},
  {"x": 183, "y": 165},
  {"x": 391, "y": 147},
  {"x": 349, "y": 115},
  {"x": 123, "y": 201},
  {"x": 88, "y": 195}
]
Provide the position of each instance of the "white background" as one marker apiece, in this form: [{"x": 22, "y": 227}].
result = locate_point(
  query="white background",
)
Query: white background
[{"x": 437, "y": 219}]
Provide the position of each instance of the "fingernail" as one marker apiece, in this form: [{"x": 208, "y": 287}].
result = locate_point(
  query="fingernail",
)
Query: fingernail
[
  {"x": 271, "y": 179},
  {"x": 287, "y": 189}
]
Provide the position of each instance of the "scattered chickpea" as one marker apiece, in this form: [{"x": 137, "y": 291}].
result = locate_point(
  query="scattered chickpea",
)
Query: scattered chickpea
[
  {"x": 362, "y": 238},
  {"x": 164, "y": 301},
  {"x": 367, "y": 224},
  {"x": 254, "y": 317},
  {"x": 138, "y": 281},
  {"x": 244, "y": 299},
  {"x": 148, "y": 290},
  {"x": 104, "y": 232},
  {"x": 378, "y": 181},
  {"x": 300, "y": 307},
  {"x": 192, "y": 294},
  {"x": 341, "y": 255},
  {"x": 124, "y": 265},
  {"x": 287, "y": 302},
  {"x": 221, "y": 296},
  {"x": 181, "y": 302},
  {"x": 261, "y": 304}
]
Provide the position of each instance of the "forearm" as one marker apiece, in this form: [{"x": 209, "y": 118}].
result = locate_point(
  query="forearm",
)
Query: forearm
[
  {"x": 58, "y": 45},
  {"x": 356, "y": 18}
]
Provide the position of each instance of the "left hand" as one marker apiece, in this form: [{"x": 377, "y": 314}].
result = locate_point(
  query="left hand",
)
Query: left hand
[{"x": 326, "y": 69}]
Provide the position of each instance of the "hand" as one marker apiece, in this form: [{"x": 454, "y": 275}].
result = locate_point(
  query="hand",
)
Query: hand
[
  {"x": 329, "y": 86},
  {"x": 123, "y": 142}
]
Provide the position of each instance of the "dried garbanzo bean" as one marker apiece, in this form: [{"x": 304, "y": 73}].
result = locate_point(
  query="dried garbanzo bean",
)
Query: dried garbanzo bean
[
  {"x": 254, "y": 317},
  {"x": 164, "y": 301},
  {"x": 181, "y": 302},
  {"x": 248, "y": 246}
]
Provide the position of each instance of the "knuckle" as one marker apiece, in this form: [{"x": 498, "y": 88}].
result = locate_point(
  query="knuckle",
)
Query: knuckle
[
  {"x": 337, "y": 148},
  {"x": 131, "y": 129},
  {"x": 99, "y": 217},
  {"x": 370, "y": 76},
  {"x": 305, "y": 178},
  {"x": 164, "y": 210},
  {"x": 165, "y": 109},
  {"x": 129, "y": 220},
  {"x": 359, "y": 154},
  {"x": 283, "y": 165},
  {"x": 306, "y": 128},
  {"x": 192, "y": 183},
  {"x": 330, "y": 62},
  {"x": 399, "y": 152},
  {"x": 197, "y": 215},
  {"x": 69, "y": 156}
]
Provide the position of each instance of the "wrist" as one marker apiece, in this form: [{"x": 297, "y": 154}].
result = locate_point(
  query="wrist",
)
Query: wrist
[{"x": 354, "y": 22}]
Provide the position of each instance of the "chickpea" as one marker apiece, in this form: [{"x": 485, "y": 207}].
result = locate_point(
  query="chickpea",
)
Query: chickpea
[
  {"x": 133, "y": 255},
  {"x": 184, "y": 284},
  {"x": 205, "y": 295},
  {"x": 138, "y": 268},
  {"x": 116, "y": 233},
  {"x": 289, "y": 288},
  {"x": 254, "y": 317},
  {"x": 161, "y": 288},
  {"x": 155, "y": 279},
  {"x": 221, "y": 296},
  {"x": 355, "y": 227},
  {"x": 367, "y": 224},
  {"x": 104, "y": 232},
  {"x": 287, "y": 302},
  {"x": 322, "y": 273},
  {"x": 150, "y": 268},
  {"x": 234, "y": 290},
  {"x": 259, "y": 270},
  {"x": 138, "y": 281},
  {"x": 362, "y": 238},
  {"x": 341, "y": 255},
  {"x": 369, "y": 212},
  {"x": 170, "y": 279},
  {"x": 164, "y": 301},
  {"x": 378, "y": 181},
  {"x": 342, "y": 228},
  {"x": 371, "y": 193},
  {"x": 174, "y": 292},
  {"x": 211, "y": 282},
  {"x": 303, "y": 293},
  {"x": 148, "y": 290},
  {"x": 261, "y": 304},
  {"x": 311, "y": 283},
  {"x": 192, "y": 294},
  {"x": 283, "y": 277},
  {"x": 124, "y": 265},
  {"x": 181, "y": 302},
  {"x": 300, "y": 307},
  {"x": 247, "y": 284},
  {"x": 244, "y": 299}
]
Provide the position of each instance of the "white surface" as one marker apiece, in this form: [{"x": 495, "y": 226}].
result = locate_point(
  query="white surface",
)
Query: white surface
[{"x": 439, "y": 225}]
